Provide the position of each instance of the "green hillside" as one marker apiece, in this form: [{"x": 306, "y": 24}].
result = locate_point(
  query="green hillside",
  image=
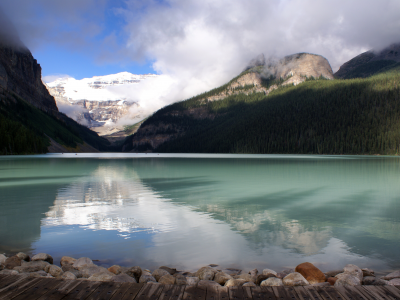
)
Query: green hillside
[
  {"x": 355, "y": 116},
  {"x": 24, "y": 129}
]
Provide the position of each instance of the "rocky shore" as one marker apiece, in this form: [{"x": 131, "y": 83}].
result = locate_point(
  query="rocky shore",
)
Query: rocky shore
[{"x": 41, "y": 265}]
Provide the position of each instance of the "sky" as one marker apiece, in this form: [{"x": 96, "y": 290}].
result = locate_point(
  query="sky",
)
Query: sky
[{"x": 197, "y": 45}]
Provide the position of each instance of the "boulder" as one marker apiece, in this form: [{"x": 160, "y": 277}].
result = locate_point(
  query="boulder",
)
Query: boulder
[
  {"x": 368, "y": 272},
  {"x": 281, "y": 275},
  {"x": 147, "y": 279},
  {"x": 123, "y": 278},
  {"x": 23, "y": 256},
  {"x": 43, "y": 257},
  {"x": 135, "y": 272},
  {"x": 68, "y": 275},
  {"x": 116, "y": 269},
  {"x": 82, "y": 262},
  {"x": 393, "y": 275},
  {"x": 333, "y": 273},
  {"x": 71, "y": 269},
  {"x": 192, "y": 280},
  {"x": 180, "y": 279},
  {"x": 347, "y": 279},
  {"x": 270, "y": 272},
  {"x": 354, "y": 271},
  {"x": 55, "y": 271},
  {"x": 295, "y": 279},
  {"x": 368, "y": 280},
  {"x": 332, "y": 280},
  {"x": 395, "y": 281},
  {"x": 90, "y": 270},
  {"x": 167, "y": 279},
  {"x": 158, "y": 273},
  {"x": 254, "y": 273},
  {"x": 262, "y": 277},
  {"x": 272, "y": 281},
  {"x": 2, "y": 259},
  {"x": 311, "y": 273},
  {"x": 232, "y": 272},
  {"x": 32, "y": 266},
  {"x": 222, "y": 277},
  {"x": 9, "y": 272},
  {"x": 206, "y": 273},
  {"x": 205, "y": 284},
  {"x": 101, "y": 276},
  {"x": 66, "y": 260},
  {"x": 249, "y": 284},
  {"x": 235, "y": 282},
  {"x": 12, "y": 262},
  {"x": 171, "y": 271},
  {"x": 246, "y": 277}
]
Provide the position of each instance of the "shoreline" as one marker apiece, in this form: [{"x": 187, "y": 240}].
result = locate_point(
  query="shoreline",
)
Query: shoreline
[{"x": 304, "y": 274}]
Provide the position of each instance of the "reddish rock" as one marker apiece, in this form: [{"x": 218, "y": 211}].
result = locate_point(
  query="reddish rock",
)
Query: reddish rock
[
  {"x": 311, "y": 273},
  {"x": 115, "y": 269},
  {"x": 332, "y": 280},
  {"x": 12, "y": 262}
]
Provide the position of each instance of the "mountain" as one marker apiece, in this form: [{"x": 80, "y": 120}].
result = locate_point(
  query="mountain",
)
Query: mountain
[
  {"x": 266, "y": 110},
  {"x": 371, "y": 62},
  {"x": 29, "y": 118},
  {"x": 97, "y": 102}
]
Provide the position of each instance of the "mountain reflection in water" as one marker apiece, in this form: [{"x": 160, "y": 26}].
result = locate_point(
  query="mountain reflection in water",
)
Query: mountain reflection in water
[{"x": 268, "y": 211}]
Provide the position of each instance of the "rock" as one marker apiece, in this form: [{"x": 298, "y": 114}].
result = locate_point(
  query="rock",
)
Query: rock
[
  {"x": 311, "y": 273},
  {"x": 101, "y": 276},
  {"x": 395, "y": 281},
  {"x": 115, "y": 269},
  {"x": 368, "y": 280},
  {"x": 232, "y": 272},
  {"x": 43, "y": 257},
  {"x": 332, "y": 280},
  {"x": 32, "y": 266},
  {"x": 247, "y": 277},
  {"x": 23, "y": 256},
  {"x": 2, "y": 259},
  {"x": 254, "y": 273},
  {"x": 55, "y": 271},
  {"x": 169, "y": 270},
  {"x": 206, "y": 273},
  {"x": 347, "y": 279},
  {"x": 135, "y": 272},
  {"x": 82, "y": 262},
  {"x": 90, "y": 270},
  {"x": 158, "y": 273},
  {"x": 2, "y": 267},
  {"x": 393, "y": 275},
  {"x": 333, "y": 273},
  {"x": 9, "y": 272},
  {"x": 262, "y": 277},
  {"x": 272, "y": 281},
  {"x": 321, "y": 284},
  {"x": 12, "y": 262},
  {"x": 205, "y": 284},
  {"x": 281, "y": 275},
  {"x": 123, "y": 278},
  {"x": 295, "y": 279},
  {"x": 146, "y": 273},
  {"x": 192, "y": 280},
  {"x": 180, "y": 280},
  {"x": 380, "y": 282},
  {"x": 147, "y": 278},
  {"x": 235, "y": 282},
  {"x": 269, "y": 271},
  {"x": 66, "y": 260},
  {"x": 368, "y": 272},
  {"x": 70, "y": 268},
  {"x": 354, "y": 271},
  {"x": 249, "y": 284},
  {"x": 68, "y": 275},
  {"x": 167, "y": 279},
  {"x": 222, "y": 277}
]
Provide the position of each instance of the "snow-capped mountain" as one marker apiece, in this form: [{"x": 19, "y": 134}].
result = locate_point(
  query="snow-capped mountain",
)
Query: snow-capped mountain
[{"x": 97, "y": 102}]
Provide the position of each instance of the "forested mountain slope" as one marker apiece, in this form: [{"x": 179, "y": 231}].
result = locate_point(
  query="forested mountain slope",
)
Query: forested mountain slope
[{"x": 319, "y": 116}]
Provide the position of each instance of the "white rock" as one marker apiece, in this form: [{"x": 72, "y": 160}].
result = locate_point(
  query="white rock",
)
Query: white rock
[
  {"x": 354, "y": 271},
  {"x": 269, "y": 271},
  {"x": 55, "y": 271},
  {"x": 347, "y": 279},
  {"x": 82, "y": 262},
  {"x": 393, "y": 275},
  {"x": 192, "y": 280},
  {"x": 43, "y": 257},
  {"x": 294, "y": 279},
  {"x": 272, "y": 281}
]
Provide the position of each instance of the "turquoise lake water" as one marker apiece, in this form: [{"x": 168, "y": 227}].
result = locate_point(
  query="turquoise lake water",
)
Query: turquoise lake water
[{"x": 186, "y": 211}]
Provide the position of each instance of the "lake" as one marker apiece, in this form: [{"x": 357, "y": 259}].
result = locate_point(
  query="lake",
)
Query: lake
[{"x": 188, "y": 210}]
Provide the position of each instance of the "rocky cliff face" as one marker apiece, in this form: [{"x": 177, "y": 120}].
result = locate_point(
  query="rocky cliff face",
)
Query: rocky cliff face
[{"x": 21, "y": 74}]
